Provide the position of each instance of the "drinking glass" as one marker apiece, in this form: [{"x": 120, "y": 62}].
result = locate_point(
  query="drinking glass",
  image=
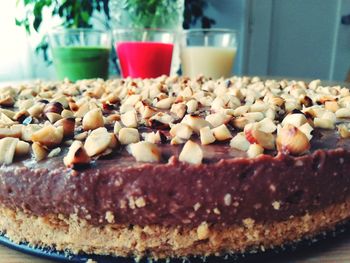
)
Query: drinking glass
[
  {"x": 208, "y": 52},
  {"x": 80, "y": 53},
  {"x": 144, "y": 53}
]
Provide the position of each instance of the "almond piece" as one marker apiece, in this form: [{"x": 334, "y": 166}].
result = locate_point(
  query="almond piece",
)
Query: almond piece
[
  {"x": 129, "y": 119},
  {"x": 22, "y": 148},
  {"x": 93, "y": 119},
  {"x": 145, "y": 152},
  {"x": 206, "y": 135},
  {"x": 67, "y": 114},
  {"x": 68, "y": 125},
  {"x": 53, "y": 117},
  {"x": 291, "y": 140},
  {"x": 181, "y": 130},
  {"x": 49, "y": 136},
  {"x": 7, "y": 150},
  {"x": 39, "y": 151},
  {"x": 54, "y": 107},
  {"x": 240, "y": 142},
  {"x": 36, "y": 110},
  {"x": 76, "y": 155},
  {"x": 128, "y": 136},
  {"x": 97, "y": 142},
  {"x": 148, "y": 112},
  {"x": 191, "y": 153},
  {"x": 255, "y": 150},
  {"x": 222, "y": 133}
]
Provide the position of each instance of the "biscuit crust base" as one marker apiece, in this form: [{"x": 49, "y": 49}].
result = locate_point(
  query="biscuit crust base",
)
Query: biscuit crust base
[{"x": 76, "y": 235}]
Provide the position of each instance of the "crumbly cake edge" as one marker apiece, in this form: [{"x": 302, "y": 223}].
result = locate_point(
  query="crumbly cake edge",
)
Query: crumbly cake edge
[{"x": 75, "y": 235}]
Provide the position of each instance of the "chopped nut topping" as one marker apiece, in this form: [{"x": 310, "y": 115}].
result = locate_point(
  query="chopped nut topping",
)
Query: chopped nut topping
[
  {"x": 49, "y": 136},
  {"x": 22, "y": 148},
  {"x": 206, "y": 135},
  {"x": 195, "y": 122},
  {"x": 145, "y": 152},
  {"x": 191, "y": 153},
  {"x": 203, "y": 231},
  {"x": 240, "y": 142},
  {"x": 7, "y": 150},
  {"x": 222, "y": 133},
  {"x": 255, "y": 150},
  {"x": 76, "y": 155},
  {"x": 39, "y": 151},
  {"x": 291, "y": 140},
  {"x": 181, "y": 130},
  {"x": 97, "y": 142},
  {"x": 93, "y": 119},
  {"x": 128, "y": 136}
]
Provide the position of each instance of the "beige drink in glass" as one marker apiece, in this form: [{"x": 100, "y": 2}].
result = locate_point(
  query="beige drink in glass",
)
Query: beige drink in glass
[{"x": 208, "y": 52}]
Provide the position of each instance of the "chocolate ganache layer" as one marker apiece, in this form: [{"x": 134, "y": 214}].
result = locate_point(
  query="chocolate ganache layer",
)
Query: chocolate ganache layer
[{"x": 269, "y": 152}]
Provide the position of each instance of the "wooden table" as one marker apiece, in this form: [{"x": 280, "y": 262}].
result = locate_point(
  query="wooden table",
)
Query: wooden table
[{"x": 334, "y": 250}]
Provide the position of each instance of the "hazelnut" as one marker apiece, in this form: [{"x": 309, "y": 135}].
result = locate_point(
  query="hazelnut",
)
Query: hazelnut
[
  {"x": 76, "y": 155},
  {"x": 192, "y": 106},
  {"x": 255, "y": 150},
  {"x": 179, "y": 109},
  {"x": 39, "y": 151},
  {"x": 296, "y": 120},
  {"x": 165, "y": 104},
  {"x": 145, "y": 152},
  {"x": 53, "y": 117},
  {"x": 67, "y": 114},
  {"x": 81, "y": 136},
  {"x": 206, "y": 135},
  {"x": 222, "y": 133},
  {"x": 54, "y": 107},
  {"x": 7, "y": 150},
  {"x": 218, "y": 119},
  {"x": 129, "y": 119},
  {"x": 240, "y": 142},
  {"x": 191, "y": 153},
  {"x": 344, "y": 131},
  {"x": 181, "y": 130},
  {"x": 291, "y": 140},
  {"x": 264, "y": 139},
  {"x": 195, "y": 122},
  {"x": 22, "y": 148},
  {"x": 49, "y": 136},
  {"x": 307, "y": 129},
  {"x": 93, "y": 119},
  {"x": 68, "y": 125},
  {"x": 147, "y": 112},
  {"x": 28, "y": 130},
  {"x": 97, "y": 142},
  {"x": 13, "y": 131},
  {"x": 343, "y": 113},
  {"x": 117, "y": 127},
  {"x": 324, "y": 123},
  {"x": 267, "y": 125},
  {"x": 128, "y": 136}
]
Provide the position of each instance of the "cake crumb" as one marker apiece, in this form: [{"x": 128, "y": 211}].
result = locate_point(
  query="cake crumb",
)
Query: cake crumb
[
  {"x": 203, "y": 231},
  {"x": 228, "y": 199},
  {"x": 109, "y": 217},
  {"x": 276, "y": 205},
  {"x": 272, "y": 188},
  {"x": 248, "y": 222},
  {"x": 216, "y": 211},
  {"x": 140, "y": 202},
  {"x": 196, "y": 206}
]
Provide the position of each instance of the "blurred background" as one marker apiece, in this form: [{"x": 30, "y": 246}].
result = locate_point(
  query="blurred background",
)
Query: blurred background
[{"x": 295, "y": 39}]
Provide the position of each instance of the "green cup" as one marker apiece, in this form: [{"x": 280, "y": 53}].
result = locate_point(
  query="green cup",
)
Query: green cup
[{"x": 80, "y": 53}]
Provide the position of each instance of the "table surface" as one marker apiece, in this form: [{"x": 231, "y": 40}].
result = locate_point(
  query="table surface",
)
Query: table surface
[{"x": 332, "y": 250}]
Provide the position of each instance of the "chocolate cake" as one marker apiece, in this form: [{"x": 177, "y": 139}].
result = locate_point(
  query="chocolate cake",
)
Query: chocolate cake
[{"x": 173, "y": 167}]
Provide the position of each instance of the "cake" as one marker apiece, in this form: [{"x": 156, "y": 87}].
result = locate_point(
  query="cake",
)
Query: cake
[{"x": 173, "y": 167}]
